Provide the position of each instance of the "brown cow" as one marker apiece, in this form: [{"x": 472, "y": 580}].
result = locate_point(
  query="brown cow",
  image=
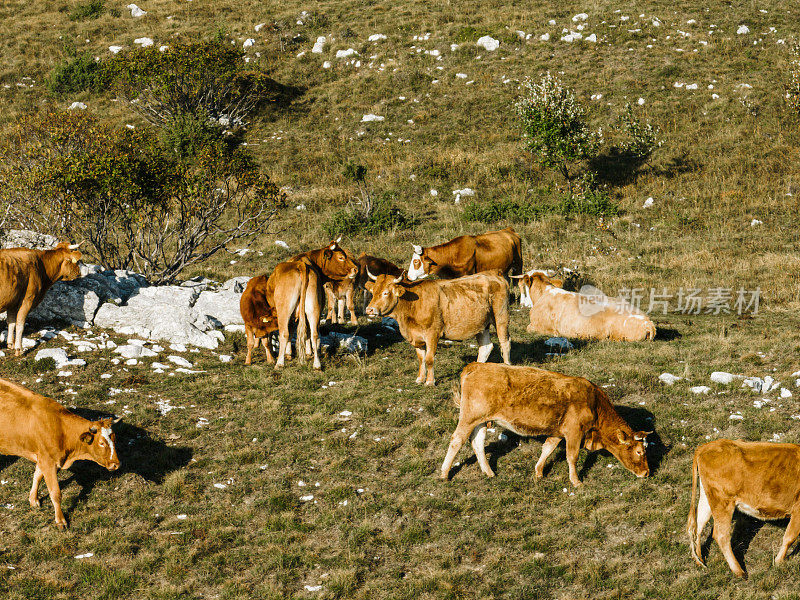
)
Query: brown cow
[
  {"x": 25, "y": 277},
  {"x": 429, "y": 310},
  {"x": 376, "y": 266},
  {"x": 761, "y": 479},
  {"x": 469, "y": 254},
  {"x": 297, "y": 286},
  {"x": 260, "y": 319},
  {"x": 531, "y": 401},
  {"x": 555, "y": 311},
  {"x": 41, "y": 430}
]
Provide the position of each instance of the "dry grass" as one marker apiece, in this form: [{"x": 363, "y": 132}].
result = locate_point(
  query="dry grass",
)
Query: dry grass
[{"x": 408, "y": 535}]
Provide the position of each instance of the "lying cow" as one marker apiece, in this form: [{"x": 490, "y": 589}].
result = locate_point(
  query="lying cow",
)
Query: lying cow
[
  {"x": 469, "y": 254},
  {"x": 260, "y": 319},
  {"x": 531, "y": 401},
  {"x": 761, "y": 479},
  {"x": 41, "y": 430},
  {"x": 296, "y": 286},
  {"x": 557, "y": 312},
  {"x": 456, "y": 310},
  {"x": 25, "y": 277}
]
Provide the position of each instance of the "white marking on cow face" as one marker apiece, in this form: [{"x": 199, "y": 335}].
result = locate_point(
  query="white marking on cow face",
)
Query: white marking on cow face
[
  {"x": 105, "y": 432},
  {"x": 416, "y": 270},
  {"x": 525, "y": 297}
]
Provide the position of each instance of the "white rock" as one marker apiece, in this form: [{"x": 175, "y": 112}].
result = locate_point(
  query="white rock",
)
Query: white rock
[
  {"x": 114, "y": 49},
  {"x": 248, "y": 43},
  {"x": 640, "y": 101},
  {"x": 376, "y": 37},
  {"x": 723, "y": 377},
  {"x": 700, "y": 389},
  {"x": 222, "y": 307},
  {"x": 131, "y": 362},
  {"x": 327, "y": 64},
  {"x": 692, "y": 86},
  {"x": 259, "y": 27},
  {"x": 488, "y": 43},
  {"x": 136, "y": 11},
  {"x": 580, "y": 17},
  {"x": 87, "y": 555},
  {"x": 669, "y": 378},
  {"x": 177, "y": 347},
  {"x": 77, "y": 106},
  {"x": 312, "y": 588},
  {"x": 593, "y": 38},
  {"x": 158, "y": 365},
  {"x": 226, "y": 358},
  {"x": 545, "y": 37},
  {"x": 282, "y": 244},
  {"x": 371, "y": 117},
  {"x": 434, "y": 193},
  {"x": 558, "y": 343},
  {"x": 743, "y": 29},
  {"x": 346, "y": 53},
  {"x": 756, "y": 222},
  {"x": 59, "y": 355},
  {"x": 785, "y": 393},
  {"x": 144, "y": 42},
  {"x": 648, "y": 203},
  {"x": 736, "y": 417},
  {"x": 180, "y": 361}
]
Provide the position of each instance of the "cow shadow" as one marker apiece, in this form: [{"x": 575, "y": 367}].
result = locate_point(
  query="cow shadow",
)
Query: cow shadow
[
  {"x": 139, "y": 453},
  {"x": 667, "y": 334},
  {"x": 378, "y": 336}
]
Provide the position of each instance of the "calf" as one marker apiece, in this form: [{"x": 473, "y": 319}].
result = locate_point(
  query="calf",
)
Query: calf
[
  {"x": 531, "y": 401},
  {"x": 41, "y": 430},
  {"x": 25, "y": 277},
  {"x": 469, "y": 254},
  {"x": 761, "y": 479},
  {"x": 429, "y": 310},
  {"x": 339, "y": 293},
  {"x": 557, "y": 312},
  {"x": 260, "y": 319}
]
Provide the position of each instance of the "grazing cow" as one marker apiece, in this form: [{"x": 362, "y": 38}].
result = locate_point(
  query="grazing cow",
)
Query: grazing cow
[
  {"x": 531, "y": 401},
  {"x": 469, "y": 254},
  {"x": 429, "y": 310},
  {"x": 260, "y": 319},
  {"x": 25, "y": 277},
  {"x": 297, "y": 286},
  {"x": 41, "y": 430},
  {"x": 761, "y": 479},
  {"x": 557, "y": 312}
]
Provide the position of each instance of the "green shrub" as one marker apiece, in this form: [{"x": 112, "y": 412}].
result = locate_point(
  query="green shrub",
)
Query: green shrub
[
  {"x": 593, "y": 202},
  {"x": 642, "y": 138},
  {"x": 384, "y": 216},
  {"x": 87, "y": 10},
  {"x": 76, "y": 74}
]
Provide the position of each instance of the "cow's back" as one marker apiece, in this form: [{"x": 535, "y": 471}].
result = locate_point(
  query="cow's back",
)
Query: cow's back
[
  {"x": 467, "y": 304},
  {"x": 532, "y": 401},
  {"x": 760, "y": 475},
  {"x": 18, "y": 267},
  {"x": 498, "y": 250},
  {"x": 29, "y": 423}
]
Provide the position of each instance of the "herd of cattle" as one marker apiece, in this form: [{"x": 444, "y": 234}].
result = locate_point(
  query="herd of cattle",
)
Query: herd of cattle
[{"x": 470, "y": 294}]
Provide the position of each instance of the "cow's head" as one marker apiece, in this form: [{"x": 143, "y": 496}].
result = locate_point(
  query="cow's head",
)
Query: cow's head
[
  {"x": 386, "y": 292},
  {"x": 524, "y": 284},
  {"x": 630, "y": 448},
  {"x": 533, "y": 284},
  {"x": 336, "y": 263},
  {"x": 99, "y": 444},
  {"x": 269, "y": 321},
  {"x": 421, "y": 264},
  {"x": 68, "y": 258}
]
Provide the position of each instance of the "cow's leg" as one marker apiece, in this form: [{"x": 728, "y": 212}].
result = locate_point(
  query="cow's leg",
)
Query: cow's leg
[
  {"x": 266, "y": 341},
  {"x": 723, "y": 528},
  {"x": 484, "y": 345},
  {"x": 478, "y": 445},
  {"x": 501, "y": 325},
  {"x": 330, "y": 300},
  {"x": 51, "y": 479},
  {"x": 430, "y": 353},
  {"x": 703, "y": 515},
  {"x": 340, "y": 307},
  {"x": 351, "y": 306},
  {"x": 421, "y": 358},
  {"x": 573, "y": 448},
  {"x": 550, "y": 444},
  {"x": 313, "y": 310},
  {"x": 251, "y": 341},
  {"x": 11, "y": 319},
  {"x": 22, "y": 314},
  {"x": 33, "y": 497},
  {"x": 456, "y": 441},
  {"x": 789, "y": 536}
]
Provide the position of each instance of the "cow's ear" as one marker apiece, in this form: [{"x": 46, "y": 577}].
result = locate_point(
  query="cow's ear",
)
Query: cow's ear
[
  {"x": 559, "y": 283},
  {"x": 369, "y": 285},
  {"x": 87, "y": 437},
  {"x": 623, "y": 437}
]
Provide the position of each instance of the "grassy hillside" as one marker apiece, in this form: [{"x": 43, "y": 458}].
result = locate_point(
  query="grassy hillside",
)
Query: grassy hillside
[{"x": 725, "y": 161}]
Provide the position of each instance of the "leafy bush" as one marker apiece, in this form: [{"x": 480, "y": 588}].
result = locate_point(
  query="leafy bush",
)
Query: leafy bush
[
  {"x": 643, "y": 138},
  {"x": 88, "y": 10},
  {"x": 554, "y": 125},
  {"x": 593, "y": 202},
  {"x": 208, "y": 81},
  {"x": 139, "y": 204},
  {"x": 383, "y": 216},
  {"x": 76, "y": 74}
]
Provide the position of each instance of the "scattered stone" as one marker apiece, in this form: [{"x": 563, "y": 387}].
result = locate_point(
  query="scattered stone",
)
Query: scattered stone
[
  {"x": 488, "y": 43},
  {"x": 371, "y": 117},
  {"x": 319, "y": 45},
  {"x": 144, "y": 42},
  {"x": 59, "y": 355},
  {"x": 700, "y": 389},
  {"x": 723, "y": 377},
  {"x": 136, "y": 11},
  {"x": 180, "y": 361},
  {"x": 77, "y": 106},
  {"x": 669, "y": 378}
]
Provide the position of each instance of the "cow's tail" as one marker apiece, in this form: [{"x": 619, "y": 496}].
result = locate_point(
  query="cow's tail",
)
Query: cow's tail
[
  {"x": 456, "y": 389},
  {"x": 302, "y": 332},
  {"x": 691, "y": 523}
]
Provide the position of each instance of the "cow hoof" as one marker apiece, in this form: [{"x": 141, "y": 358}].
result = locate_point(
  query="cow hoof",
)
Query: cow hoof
[
  {"x": 431, "y": 383},
  {"x": 419, "y": 380},
  {"x": 444, "y": 476},
  {"x": 35, "y": 502},
  {"x": 61, "y": 525},
  {"x": 576, "y": 484},
  {"x": 490, "y": 474}
]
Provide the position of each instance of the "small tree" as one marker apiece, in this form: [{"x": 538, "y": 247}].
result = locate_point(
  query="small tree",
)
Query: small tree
[
  {"x": 643, "y": 138},
  {"x": 555, "y": 127},
  {"x": 208, "y": 81},
  {"x": 139, "y": 205}
]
